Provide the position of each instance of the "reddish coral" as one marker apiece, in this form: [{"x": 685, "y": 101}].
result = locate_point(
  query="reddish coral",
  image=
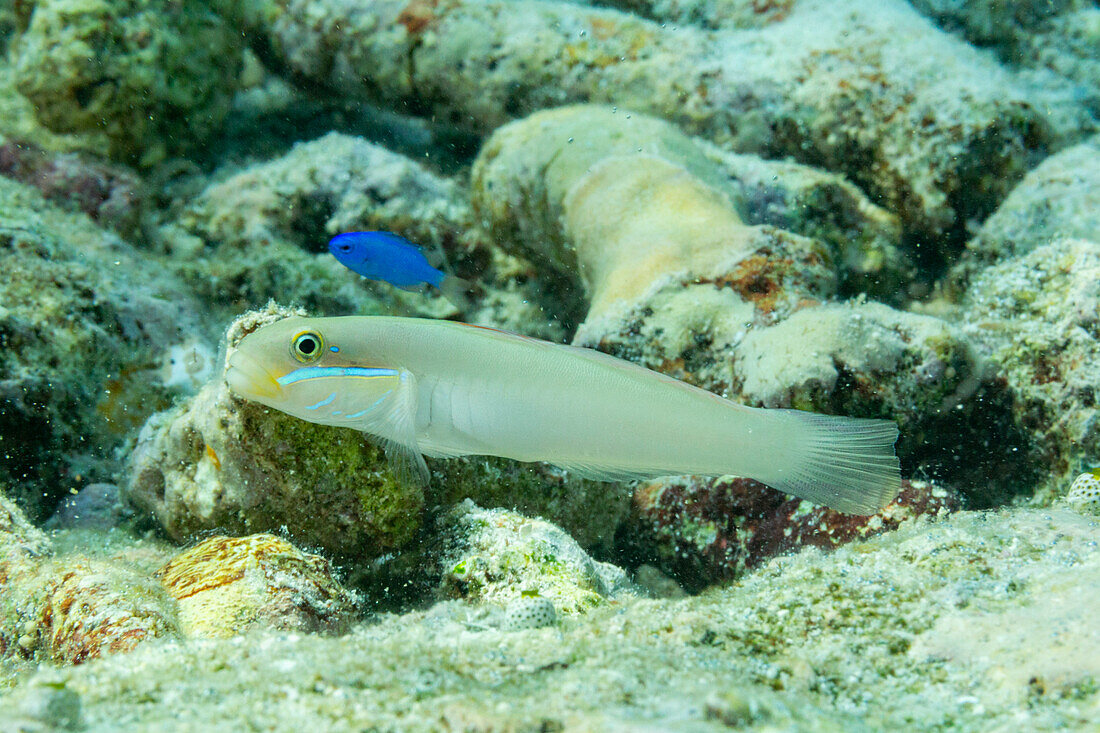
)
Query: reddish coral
[
  {"x": 707, "y": 530},
  {"x": 107, "y": 193},
  {"x": 96, "y": 610},
  {"x": 418, "y": 15},
  {"x": 779, "y": 280}
]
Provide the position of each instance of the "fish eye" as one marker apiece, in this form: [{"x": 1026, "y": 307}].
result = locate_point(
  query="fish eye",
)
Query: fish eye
[
  {"x": 307, "y": 346},
  {"x": 344, "y": 247}
]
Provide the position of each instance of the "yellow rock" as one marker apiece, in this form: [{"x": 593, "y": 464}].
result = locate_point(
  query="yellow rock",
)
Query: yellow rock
[
  {"x": 228, "y": 585},
  {"x": 640, "y": 214},
  {"x": 685, "y": 227}
]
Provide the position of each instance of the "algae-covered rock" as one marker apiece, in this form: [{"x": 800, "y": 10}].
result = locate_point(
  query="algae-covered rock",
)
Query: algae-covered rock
[
  {"x": 155, "y": 76},
  {"x": 1036, "y": 317},
  {"x": 871, "y": 88},
  {"x": 1027, "y": 297},
  {"x": 85, "y": 320},
  {"x": 19, "y": 539},
  {"x": 1050, "y": 36},
  {"x": 110, "y": 194},
  {"x": 217, "y": 462},
  {"x": 497, "y": 556},
  {"x": 847, "y": 357},
  {"x": 227, "y": 586},
  {"x": 589, "y": 511},
  {"x": 865, "y": 240},
  {"x": 1060, "y": 198}
]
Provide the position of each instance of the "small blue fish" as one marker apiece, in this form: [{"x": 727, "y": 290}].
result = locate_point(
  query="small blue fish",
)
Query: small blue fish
[{"x": 385, "y": 256}]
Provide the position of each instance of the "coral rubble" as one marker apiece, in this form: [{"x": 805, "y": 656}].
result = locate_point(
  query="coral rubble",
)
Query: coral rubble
[
  {"x": 497, "y": 556},
  {"x": 73, "y": 609}
]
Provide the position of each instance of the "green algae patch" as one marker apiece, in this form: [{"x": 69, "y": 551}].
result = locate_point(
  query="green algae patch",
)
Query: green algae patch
[
  {"x": 496, "y": 556},
  {"x": 219, "y": 462}
]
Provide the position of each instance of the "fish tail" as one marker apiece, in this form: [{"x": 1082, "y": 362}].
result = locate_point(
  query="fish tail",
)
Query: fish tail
[
  {"x": 454, "y": 289},
  {"x": 844, "y": 463}
]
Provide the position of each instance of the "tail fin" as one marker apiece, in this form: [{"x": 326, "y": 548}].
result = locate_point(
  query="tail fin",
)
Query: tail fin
[
  {"x": 844, "y": 463},
  {"x": 454, "y": 289}
]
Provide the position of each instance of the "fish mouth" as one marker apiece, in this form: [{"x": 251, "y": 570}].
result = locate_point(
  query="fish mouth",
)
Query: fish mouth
[{"x": 248, "y": 378}]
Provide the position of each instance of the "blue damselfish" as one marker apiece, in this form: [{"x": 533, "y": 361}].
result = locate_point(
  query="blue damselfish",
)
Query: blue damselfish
[{"x": 388, "y": 257}]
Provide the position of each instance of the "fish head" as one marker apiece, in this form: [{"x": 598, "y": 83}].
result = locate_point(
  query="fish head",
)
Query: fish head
[
  {"x": 344, "y": 246},
  {"x": 352, "y": 249},
  {"x": 300, "y": 366}
]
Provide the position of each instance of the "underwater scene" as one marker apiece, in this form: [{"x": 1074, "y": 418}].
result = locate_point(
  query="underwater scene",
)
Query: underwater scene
[{"x": 549, "y": 365}]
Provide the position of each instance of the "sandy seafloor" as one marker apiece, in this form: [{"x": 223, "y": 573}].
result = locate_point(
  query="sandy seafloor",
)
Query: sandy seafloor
[
  {"x": 983, "y": 621},
  {"x": 941, "y": 158}
]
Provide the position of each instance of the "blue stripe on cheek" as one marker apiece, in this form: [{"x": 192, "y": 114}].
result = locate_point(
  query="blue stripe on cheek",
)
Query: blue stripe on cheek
[
  {"x": 304, "y": 373},
  {"x": 364, "y": 412},
  {"x": 322, "y": 403}
]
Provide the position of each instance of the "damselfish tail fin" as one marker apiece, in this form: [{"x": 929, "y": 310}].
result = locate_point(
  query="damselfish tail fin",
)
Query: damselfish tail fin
[
  {"x": 454, "y": 289},
  {"x": 844, "y": 463}
]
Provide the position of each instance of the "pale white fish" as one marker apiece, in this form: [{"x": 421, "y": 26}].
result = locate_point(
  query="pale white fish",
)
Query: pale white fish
[{"x": 442, "y": 389}]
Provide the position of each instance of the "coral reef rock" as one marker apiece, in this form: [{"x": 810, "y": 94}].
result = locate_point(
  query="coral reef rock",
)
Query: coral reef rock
[
  {"x": 1051, "y": 36},
  {"x": 151, "y": 74},
  {"x": 228, "y": 585},
  {"x": 1025, "y": 293},
  {"x": 111, "y": 195},
  {"x": 1035, "y": 316},
  {"x": 261, "y": 229},
  {"x": 1060, "y": 198},
  {"x": 681, "y": 285},
  {"x": 83, "y": 319},
  {"x": 590, "y": 511},
  {"x": 71, "y": 609},
  {"x": 939, "y": 147},
  {"x": 707, "y": 530},
  {"x": 219, "y": 463},
  {"x": 497, "y": 556}
]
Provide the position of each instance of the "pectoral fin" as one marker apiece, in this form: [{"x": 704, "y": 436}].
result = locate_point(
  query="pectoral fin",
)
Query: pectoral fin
[
  {"x": 399, "y": 440},
  {"x": 407, "y": 463}
]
